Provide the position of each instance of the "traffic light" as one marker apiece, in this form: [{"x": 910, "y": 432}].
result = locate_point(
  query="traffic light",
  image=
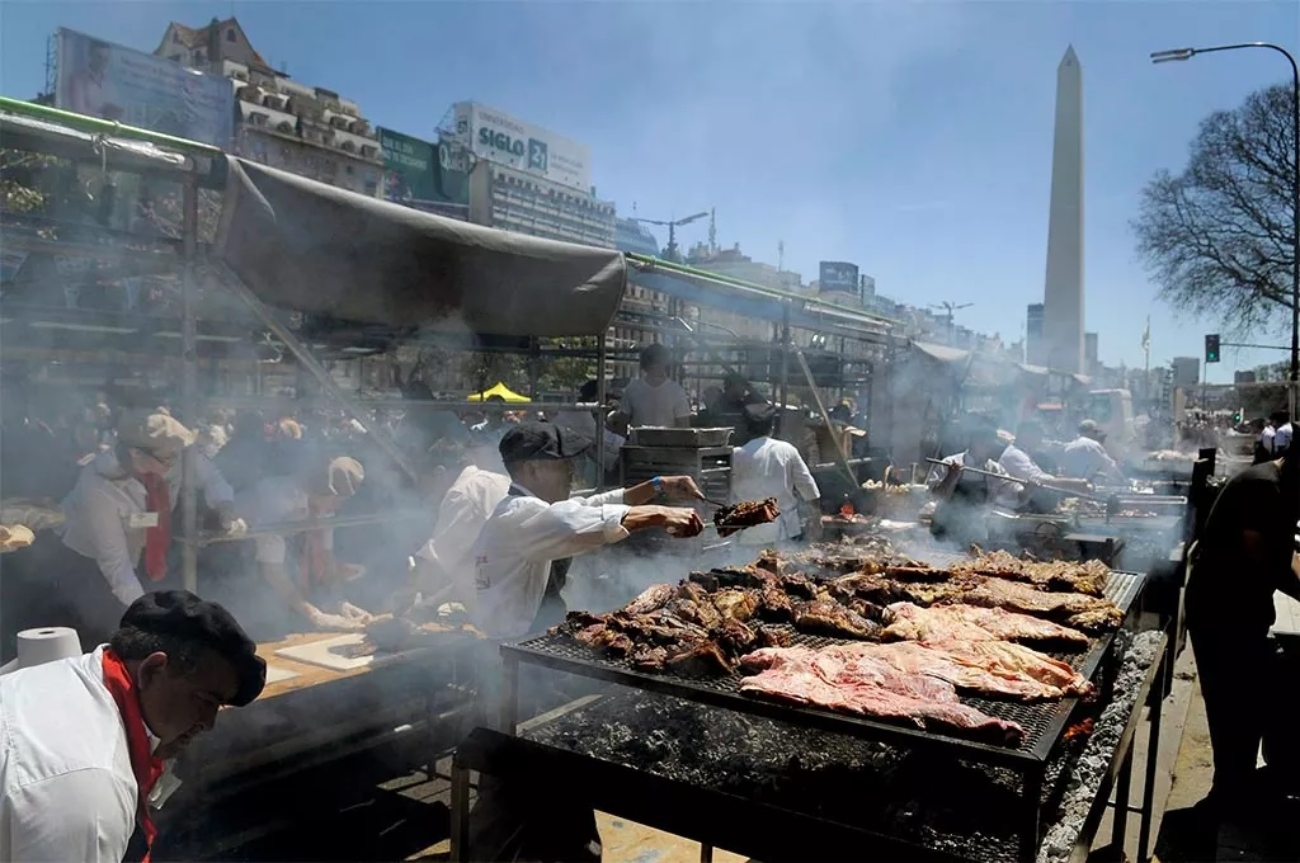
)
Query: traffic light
[{"x": 1212, "y": 348}]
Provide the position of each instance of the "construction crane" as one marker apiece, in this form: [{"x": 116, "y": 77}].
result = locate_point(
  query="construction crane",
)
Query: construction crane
[{"x": 670, "y": 253}]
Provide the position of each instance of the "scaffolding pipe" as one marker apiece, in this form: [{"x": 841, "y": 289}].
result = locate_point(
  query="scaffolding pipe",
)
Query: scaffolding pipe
[
  {"x": 785, "y": 367},
  {"x": 189, "y": 382},
  {"x": 600, "y": 413}
]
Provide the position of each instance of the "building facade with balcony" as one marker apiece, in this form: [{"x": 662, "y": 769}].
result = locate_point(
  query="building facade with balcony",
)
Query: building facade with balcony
[
  {"x": 309, "y": 131},
  {"x": 512, "y": 200}
]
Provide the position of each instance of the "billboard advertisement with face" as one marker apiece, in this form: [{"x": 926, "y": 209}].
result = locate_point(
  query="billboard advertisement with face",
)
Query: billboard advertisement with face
[{"x": 103, "y": 80}]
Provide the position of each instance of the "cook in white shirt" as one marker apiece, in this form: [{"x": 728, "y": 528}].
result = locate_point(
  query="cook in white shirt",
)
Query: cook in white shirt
[
  {"x": 653, "y": 399},
  {"x": 1017, "y": 462},
  {"x": 764, "y": 468},
  {"x": 110, "y": 519},
  {"x": 315, "y": 493},
  {"x": 1278, "y": 443},
  {"x": 539, "y": 523},
  {"x": 82, "y": 738},
  {"x": 1085, "y": 457},
  {"x": 445, "y": 564},
  {"x": 963, "y": 498}
]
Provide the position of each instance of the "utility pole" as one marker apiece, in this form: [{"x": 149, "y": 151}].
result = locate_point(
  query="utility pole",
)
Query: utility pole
[
  {"x": 670, "y": 253},
  {"x": 780, "y": 256},
  {"x": 951, "y": 308}
]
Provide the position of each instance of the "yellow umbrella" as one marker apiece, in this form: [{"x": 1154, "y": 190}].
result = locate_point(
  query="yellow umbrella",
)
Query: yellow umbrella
[{"x": 501, "y": 390}]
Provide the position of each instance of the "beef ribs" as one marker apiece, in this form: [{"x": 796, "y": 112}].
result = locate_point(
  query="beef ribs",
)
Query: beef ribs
[
  {"x": 908, "y": 622},
  {"x": 994, "y": 668},
  {"x": 747, "y": 513},
  {"x": 775, "y": 605},
  {"x": 1088, "y": 613},
  {"x": 703, "y": 658},
  {"x": 736, "y": 637},
  {"x": 600, "y": 637},
  {"x": 859, "y": 683},
  {"x": 826, "y": 617},
  {"x": 647, "y": 657},
  {"x": 1088, "y": 578},
  {"x": 701, "y": 613},
  {"x": 650, "y": 599},
  {"x": 771, "y": 636},
  {"x": 735, "y": 576}
]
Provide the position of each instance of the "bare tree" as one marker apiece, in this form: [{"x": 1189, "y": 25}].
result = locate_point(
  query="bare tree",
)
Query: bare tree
[{"x": 1218, "y": 237}]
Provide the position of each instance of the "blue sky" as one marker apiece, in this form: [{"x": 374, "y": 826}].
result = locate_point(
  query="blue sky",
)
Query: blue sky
[{"x": 911, "y": 137}]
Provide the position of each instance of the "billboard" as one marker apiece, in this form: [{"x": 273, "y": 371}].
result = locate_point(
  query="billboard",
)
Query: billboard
[
  {"x": 104, "y": 80},
  {"x": 497, "y": 137},
  {"x": 423, "y": 175},
  {"x": 838, "y": 276}
]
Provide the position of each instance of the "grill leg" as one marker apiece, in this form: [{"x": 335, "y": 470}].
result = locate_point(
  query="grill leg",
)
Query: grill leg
[
  {"x": 1153, "y": 757},
  {"x": 459, "y": 815},
  {"x": 1123, "y": 787},
  {"x": 1033, "y": 804},
  {"x": 510, "y": 697},
  {"x": 706, "y": 853}
]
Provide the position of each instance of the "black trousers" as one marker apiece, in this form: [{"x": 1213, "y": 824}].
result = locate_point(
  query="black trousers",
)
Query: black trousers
[
  {"x": 1237, "y": 669},
  {"x": 81, "y": 596}
]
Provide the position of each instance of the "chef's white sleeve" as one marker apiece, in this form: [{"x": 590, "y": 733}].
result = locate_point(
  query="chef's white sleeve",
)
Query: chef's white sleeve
[
  {"x": 565, "y": 529},
  {"x": 1018, "y": 463},
  {"x": 459, "y": 524},
  {"x": 102, "y": 527},
  {"x": 86, "y": 815}
]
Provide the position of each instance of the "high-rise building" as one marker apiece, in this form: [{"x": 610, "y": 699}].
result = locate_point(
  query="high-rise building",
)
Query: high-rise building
[
  {"x": 528, "y": 179},
  {"x": 1091, "y": 353},
  {"x": 1063, "y": 288},
  {"x": 1035, "y": 347},
  {"x": 310, "y": 131}
]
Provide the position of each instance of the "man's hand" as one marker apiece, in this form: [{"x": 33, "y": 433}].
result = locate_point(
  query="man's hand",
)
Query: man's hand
[
  {"x": 336, "y": 622},
  {"x": 681, "y": 488},
  {"x": 237, "y": 527},
  {"x": 681, "y": 522},
  {"x": 351, "y": 612}
]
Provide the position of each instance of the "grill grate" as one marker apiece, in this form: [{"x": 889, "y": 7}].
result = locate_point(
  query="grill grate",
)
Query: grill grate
[{"x": 1043, "y": 722}]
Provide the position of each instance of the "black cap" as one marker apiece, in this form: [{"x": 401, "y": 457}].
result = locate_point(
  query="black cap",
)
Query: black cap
[
  {"x": 541, "y": 441},
  {"x": 181, "y": 614},
  {"x": 760, "y": 412}
]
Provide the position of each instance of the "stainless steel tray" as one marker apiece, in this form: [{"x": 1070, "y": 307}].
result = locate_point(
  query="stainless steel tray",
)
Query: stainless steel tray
[{"x": 680, "y": 437}]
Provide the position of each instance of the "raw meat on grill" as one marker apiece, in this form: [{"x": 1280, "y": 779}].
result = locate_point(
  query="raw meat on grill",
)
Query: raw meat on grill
[
  {"x": 747, "y": 513},
  {"x": 908, "y": 622},
  {"x": 985, "y": 667},
  {"x": 827, "y": 617},
  {"x": 861, "y": 684}
]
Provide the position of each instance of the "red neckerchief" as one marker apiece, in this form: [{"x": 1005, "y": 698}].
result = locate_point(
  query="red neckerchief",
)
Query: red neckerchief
[
  {"x": 144, "y": 765},
  {"x": 158, "y": 499}
]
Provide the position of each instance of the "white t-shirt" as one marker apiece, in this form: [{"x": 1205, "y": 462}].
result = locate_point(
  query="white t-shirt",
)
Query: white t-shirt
[
  {"x": 663, "y": 405},
  {"x": 1282, "y": 438},
  {"x": 67, "y": 791},
  {"x": 1084, "y": 458}
]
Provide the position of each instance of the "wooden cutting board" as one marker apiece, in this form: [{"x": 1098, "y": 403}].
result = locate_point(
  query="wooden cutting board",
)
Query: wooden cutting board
[
  {"x": 329, "y": 653},
  {"x": 275, "y": 674}
]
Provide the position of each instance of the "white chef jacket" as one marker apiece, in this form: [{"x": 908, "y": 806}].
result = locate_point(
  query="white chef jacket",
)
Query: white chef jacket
[
  {"x": 465, "y": 509},
  {"x": 104, "y": 519},
  {"x": 514, "y": 552},
  {"x": 1084, "y": 458},
  {"x": 67, "y": 791},
  {"x": 765, "y": 468},
  {"x": 274, "y": 500},
  {"x": 1017, "y": 463},
  {"x": 1001, "y": 493}
]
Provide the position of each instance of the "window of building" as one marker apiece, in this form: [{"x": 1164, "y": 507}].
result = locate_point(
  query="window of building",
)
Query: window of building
[{"x": 230, "y": 35}]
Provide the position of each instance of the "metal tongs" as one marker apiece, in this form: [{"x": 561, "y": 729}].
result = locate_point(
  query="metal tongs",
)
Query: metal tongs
[{"x": 1112, "y": 502}]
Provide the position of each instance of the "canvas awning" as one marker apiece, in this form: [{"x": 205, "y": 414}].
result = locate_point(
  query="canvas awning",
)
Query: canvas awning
[
  {"x": 501, "y": 390},
  {"x": 317, "y": 249}
]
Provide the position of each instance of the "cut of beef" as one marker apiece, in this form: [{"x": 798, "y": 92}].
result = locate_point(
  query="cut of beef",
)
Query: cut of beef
[
  {"x": 770, "y": 636},
  {"x": 651, "y": 599},
  {"x": 702, "y": 659},
  {"x": 1087, "y": 578},
  {"x": 736, "y": 604},
  {"x": 827, "y": 617},
  {"x": 986, "y": 667},
  {"x": 861, "y": 684},
  {"x": 908, "y": 622},
  {"x": 747, "y": 513},
  {"x": 775, "y": 605}
]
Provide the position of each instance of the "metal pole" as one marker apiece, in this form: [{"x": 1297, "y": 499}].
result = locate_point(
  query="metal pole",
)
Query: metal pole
[
  {"x": 785, "y": 367},
  {"x": 600, "y": 413},
  {"x": 189, "y": 383}
]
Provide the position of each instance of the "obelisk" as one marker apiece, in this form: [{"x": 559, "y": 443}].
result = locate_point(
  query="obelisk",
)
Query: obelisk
[{"x": 1063, "y": 289}]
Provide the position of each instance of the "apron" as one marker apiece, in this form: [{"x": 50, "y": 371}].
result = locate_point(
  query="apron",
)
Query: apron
[{"x": 960, "y": 518}]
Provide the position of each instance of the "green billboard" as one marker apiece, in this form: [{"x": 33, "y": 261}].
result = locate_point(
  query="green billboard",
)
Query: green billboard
[{"x": 414, "y": 174}]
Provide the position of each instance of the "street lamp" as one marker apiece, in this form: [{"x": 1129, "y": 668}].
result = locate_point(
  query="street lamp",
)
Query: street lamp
[
  {"x": 1177, "y": 54},
  {"x": 670, "y": 253}
]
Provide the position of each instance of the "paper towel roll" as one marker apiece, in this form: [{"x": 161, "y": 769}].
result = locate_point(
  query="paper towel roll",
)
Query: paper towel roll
[{"x": 38, "y": 646}]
